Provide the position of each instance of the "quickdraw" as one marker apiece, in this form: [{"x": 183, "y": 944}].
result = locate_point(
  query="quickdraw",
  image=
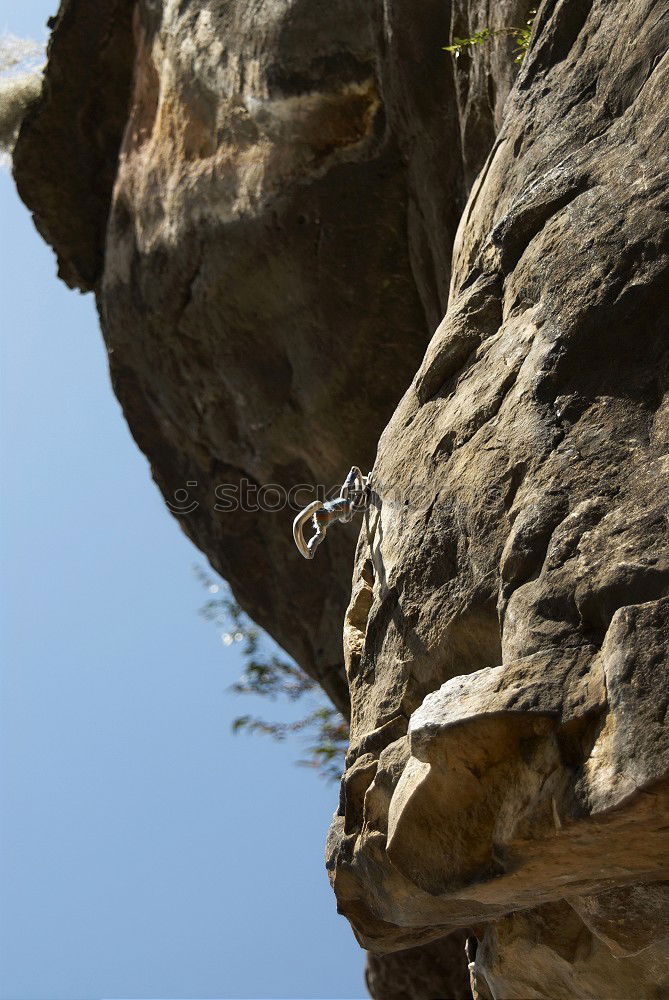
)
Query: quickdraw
[{"x": 354, "y": 498}]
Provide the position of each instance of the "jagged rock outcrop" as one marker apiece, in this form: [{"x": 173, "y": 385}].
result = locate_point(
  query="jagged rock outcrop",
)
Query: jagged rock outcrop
[
  {"x": 264, "y": 199},
  {"x": 507, "y": 635},
  {"x": 434, "y": 970},
  {"x": 550, "y": 952},
  {"x": 277, "y": 184}
]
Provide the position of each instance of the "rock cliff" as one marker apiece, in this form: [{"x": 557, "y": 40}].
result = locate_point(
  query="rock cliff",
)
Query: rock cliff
[{"x": 276, "y": 204}]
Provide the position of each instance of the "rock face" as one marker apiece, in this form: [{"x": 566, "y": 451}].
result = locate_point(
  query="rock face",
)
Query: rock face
[
  {"x": 264, "y": 199},
  {"x": 273, "y": 263},
  {"x": 274, "y": 206},
  {"x": 424, "y": 973},
  {"x": 507, "y": 635}
]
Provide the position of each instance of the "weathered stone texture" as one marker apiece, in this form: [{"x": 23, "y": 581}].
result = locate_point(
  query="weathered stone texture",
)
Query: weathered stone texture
[
  {"x": 273, "y": 203},
  {"x": 66, "y": 160},
  {"x": 510, "y": 609},
  {"x": 276, "y": 250},
  {"x": 435, "y": 971},
  {"x": 549, "y": 953}
]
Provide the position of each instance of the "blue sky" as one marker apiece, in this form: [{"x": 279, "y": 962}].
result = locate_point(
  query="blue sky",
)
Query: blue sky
[{"x": 145, "y": 852}]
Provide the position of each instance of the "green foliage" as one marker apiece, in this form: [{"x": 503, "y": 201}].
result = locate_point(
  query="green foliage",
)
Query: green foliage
[
  {"x": 521, "y": 36},
  {"x": 324, "y": 730}
]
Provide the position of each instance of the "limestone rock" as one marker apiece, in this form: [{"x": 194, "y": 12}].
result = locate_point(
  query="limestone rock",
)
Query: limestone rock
[
  {"x": 513, "y": 639},
  {"x": 548, "y": 952},
  {"x": 66, "y": 160},
  {"x": 264, "y": 198},
  {"x": 276, "y": 205},
  {"x": 435, "y": 971}
]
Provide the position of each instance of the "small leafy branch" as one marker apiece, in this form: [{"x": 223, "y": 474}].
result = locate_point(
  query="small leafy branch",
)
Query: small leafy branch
[
  {"x": 521, "y": 36},
  {"x": 271, "y": 676},
  {"x": 327, "y": 738}
]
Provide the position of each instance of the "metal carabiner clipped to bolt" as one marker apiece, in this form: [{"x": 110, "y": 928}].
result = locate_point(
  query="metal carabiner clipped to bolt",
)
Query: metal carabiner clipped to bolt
[{"x": 353, "y": 499}]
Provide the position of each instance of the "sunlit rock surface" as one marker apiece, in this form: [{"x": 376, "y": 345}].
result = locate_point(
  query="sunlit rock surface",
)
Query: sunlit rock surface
[
  {"x": 276, "y": 204},
  {"x": 258, "y": 194},
  {"x": 507, "y": 634}
]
